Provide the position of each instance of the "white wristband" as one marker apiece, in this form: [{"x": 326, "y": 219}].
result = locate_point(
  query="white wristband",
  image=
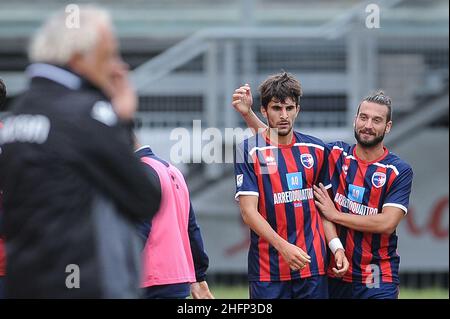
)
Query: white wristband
[{"x": 335, "y": 244}]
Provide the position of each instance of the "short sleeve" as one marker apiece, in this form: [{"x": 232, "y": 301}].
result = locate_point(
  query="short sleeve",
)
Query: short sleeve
[
  {"x": 400, "y": 190},
  {"x": 335, "y": 163},
  {"x": 245, "y": 177},
  {"x": 324, "y": 174}
]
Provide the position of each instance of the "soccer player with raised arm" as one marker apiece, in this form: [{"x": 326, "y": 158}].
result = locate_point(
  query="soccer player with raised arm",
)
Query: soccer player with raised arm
[{"x": 275, "y": 174}]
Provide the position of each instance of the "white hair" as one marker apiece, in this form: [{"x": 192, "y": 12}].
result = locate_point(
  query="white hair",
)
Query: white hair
[{"x": 60, "y": 37}]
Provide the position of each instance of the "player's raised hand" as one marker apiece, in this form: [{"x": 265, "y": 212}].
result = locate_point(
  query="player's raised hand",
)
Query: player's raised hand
[
  {"x": 342, "y": 263},
  {"x": 243, "y": 100},
  {"x": 294, "y": 256}
]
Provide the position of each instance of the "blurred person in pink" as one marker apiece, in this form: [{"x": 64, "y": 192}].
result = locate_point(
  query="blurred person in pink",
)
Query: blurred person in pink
[{"x": 174, "y": 261}]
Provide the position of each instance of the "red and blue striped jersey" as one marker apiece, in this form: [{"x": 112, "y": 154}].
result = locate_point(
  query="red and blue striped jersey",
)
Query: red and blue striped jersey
[
  {"x": 282, "y": 177},
  {"x": 364, "y": 188}
]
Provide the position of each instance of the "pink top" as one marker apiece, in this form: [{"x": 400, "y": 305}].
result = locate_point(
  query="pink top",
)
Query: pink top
[{"x": 167, "y": 257}]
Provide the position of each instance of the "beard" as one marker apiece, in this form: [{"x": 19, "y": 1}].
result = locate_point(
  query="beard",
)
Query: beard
[
  {"x": 283, "y": 133},
  {"x": 280, "y": 132},
  {"x": 367, "y": 144}
]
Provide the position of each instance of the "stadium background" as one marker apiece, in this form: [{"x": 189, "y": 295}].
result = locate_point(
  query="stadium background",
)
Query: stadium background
[{"x": 188, "y": 56}]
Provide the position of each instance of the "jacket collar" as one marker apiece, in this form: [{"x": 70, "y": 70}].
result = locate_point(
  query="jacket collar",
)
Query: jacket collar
[
  {"x": 62, "y": 75},
  {"x": 144, "y": 151}
]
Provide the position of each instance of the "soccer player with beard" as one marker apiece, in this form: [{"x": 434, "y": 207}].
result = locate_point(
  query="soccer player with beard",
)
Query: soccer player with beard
[{"x": 371, "y": 188}]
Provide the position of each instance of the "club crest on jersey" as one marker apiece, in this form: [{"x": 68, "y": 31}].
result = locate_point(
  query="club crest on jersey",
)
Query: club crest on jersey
[
  {"x": 307, "y": 160},
  {"x": 378, "y": 179}
]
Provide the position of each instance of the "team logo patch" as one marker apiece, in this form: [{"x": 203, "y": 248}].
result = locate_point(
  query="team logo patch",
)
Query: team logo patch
[
  {"x": 307, "y": 160},
  {"x": 356, "y": 193},
  {"x": 239, "y": 180},
  {"x": 378, "y": 179},
  {"x": 294, "y": 181}
]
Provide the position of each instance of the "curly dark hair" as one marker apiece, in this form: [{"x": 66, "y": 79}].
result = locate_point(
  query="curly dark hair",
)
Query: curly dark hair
[{"x": 280, "y": 87}]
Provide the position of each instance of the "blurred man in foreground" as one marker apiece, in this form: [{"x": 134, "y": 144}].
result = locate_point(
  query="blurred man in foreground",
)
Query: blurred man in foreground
[{"x": 73, "y": 188}]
